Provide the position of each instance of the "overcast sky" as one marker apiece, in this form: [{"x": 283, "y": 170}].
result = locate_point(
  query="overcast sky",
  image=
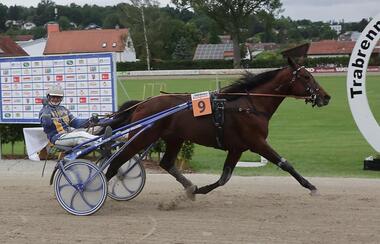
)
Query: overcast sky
[{"x": 315, "y": 10}]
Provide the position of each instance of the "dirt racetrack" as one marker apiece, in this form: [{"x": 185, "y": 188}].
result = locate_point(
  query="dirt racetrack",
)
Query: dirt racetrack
[{"x": 246, "y": 210}]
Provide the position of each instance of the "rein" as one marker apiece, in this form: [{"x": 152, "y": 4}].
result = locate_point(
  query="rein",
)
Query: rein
[
  {"x": 243, "y": 94},
  {"x": 111, "y": 115},
  {"x": 265, "y": 95}
]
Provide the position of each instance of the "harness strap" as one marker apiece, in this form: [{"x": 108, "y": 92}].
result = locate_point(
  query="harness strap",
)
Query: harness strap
[
  {"x": 251, "y": 110},
  {"x": 218, "y": 119}
]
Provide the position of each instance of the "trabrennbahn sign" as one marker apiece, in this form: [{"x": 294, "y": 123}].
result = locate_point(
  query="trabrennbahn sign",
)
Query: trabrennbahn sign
[{"x": 356, "y": 87}]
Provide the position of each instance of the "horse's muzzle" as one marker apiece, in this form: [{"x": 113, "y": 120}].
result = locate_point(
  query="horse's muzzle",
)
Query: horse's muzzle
[{"x": 322, "y": 100}]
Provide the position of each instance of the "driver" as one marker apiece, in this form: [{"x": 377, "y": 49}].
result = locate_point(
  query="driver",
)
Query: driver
[{"x": 59, "y": 123}]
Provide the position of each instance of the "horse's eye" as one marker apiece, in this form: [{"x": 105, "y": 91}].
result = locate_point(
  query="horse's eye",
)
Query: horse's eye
[{"x": 306, "y": 77}]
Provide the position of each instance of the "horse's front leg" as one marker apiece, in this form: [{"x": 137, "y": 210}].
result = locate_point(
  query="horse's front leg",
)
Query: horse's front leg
[
  {"x": 229, "y": 166},
  {"x": 265, "y": 150}
]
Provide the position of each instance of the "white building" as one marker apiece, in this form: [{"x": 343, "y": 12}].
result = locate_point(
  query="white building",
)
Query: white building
[
  {"x": 28, "y": 26},
  {"x": 336, "y": 28},
  {"x": 34, "y": 47}
]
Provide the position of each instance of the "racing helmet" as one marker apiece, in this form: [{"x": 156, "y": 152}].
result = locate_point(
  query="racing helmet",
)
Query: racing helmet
[{"x": 55, "y": 95}]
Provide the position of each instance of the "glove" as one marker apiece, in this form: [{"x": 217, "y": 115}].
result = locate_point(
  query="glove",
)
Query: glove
[{"x": 94, "y": 119}]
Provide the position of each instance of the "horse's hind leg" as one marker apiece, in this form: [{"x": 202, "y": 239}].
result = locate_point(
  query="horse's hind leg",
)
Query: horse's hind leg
[
  {"x": 138, "y": 144},
  {"x": 267, "y": 152},
  {"x": 168, "y": 163},
  {"x": 229, "y": 165}
]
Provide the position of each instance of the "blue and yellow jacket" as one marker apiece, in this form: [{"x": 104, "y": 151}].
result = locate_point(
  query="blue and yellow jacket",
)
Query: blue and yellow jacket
[{"x": 57, "y": 120}]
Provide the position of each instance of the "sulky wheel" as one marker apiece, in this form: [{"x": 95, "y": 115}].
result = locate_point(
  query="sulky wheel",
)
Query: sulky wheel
[
  {"x": 128, "y": 182},
  {"x": 82, "y": 189}
]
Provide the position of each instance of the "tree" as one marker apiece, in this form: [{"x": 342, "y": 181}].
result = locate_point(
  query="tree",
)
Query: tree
[
  {"x": 15, "y": 12},
  {"x": 182, "y": 50},
  {"x": 64, "y": 23},
  {"x": 73, "y": 12},
  {"x": 3, "y": 16},
  {"x": 208, "y": 28},
  {"x": 44, "y": 12},
  {"x": 38, "y": 32},
  {"x": 232, "y": 16},
  {"x": 111, "y": 21},
  {"x": 137, "y": 16}
]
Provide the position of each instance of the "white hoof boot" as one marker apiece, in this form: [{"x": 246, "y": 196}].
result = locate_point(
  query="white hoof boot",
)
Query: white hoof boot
[
  {"x": 190, "y": 192},
  {"x": 314, "y": 193}
]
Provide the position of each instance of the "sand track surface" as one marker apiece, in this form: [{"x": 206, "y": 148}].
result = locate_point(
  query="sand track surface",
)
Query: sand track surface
[{"x": 246, "y": 210}]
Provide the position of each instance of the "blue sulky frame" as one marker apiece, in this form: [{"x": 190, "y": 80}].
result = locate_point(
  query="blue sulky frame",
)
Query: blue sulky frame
[{"x": 79, "y": 151}]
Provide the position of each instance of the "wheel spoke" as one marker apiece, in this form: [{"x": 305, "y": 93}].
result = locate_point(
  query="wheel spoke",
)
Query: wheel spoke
[
  {"x": 126, "y": 187},
  {"x": 80, "y": 189}
]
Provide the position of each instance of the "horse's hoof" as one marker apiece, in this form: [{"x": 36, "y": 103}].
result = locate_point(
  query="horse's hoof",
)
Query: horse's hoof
[
  {"x": 190, "y": 192},
  {"x": 314, "y": 193}
]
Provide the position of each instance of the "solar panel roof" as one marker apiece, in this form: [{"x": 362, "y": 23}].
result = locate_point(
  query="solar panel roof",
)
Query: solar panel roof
[{"x": 212, "y": 51}]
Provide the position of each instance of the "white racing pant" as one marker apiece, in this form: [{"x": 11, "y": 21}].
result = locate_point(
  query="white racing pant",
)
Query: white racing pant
[{"x": 74, "y": 138}]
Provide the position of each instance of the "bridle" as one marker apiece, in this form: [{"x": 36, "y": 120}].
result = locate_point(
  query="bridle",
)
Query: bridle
[
  {"x": 309, "y": 87},
  {"x": 312, "y": 98}
]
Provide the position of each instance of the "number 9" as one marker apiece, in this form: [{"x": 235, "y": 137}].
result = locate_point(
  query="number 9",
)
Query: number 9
[{"x": 201, "y": 106}]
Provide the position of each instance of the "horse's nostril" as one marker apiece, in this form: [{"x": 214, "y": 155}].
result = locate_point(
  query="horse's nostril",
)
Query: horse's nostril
[{"x": 326, "y": 99}]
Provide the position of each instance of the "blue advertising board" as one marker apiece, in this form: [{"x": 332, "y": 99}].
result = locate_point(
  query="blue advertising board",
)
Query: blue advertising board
[{"x": 88, "y": 80}]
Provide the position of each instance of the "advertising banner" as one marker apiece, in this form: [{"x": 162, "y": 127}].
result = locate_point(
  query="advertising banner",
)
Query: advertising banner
[{"x": 88, "y": 80}]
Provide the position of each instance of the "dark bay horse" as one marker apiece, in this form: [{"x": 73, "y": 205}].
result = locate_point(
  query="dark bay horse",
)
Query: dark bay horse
[{"x": 251, "y": 102}]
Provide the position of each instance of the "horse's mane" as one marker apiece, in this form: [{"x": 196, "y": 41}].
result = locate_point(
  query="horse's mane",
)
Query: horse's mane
[{"x": 247, "y": 82}]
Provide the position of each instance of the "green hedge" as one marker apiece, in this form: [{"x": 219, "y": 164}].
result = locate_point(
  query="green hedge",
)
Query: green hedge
[
  {"x": 11, "y": 133},
  {"x": 228, "y": 64},
  {"x": 175, "y": 65},
  {"x": 338, "y": 61}
]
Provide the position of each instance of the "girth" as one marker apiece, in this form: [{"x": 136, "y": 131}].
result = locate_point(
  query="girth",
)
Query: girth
[
  {"x": 218, "y": 109},
  {"x": 218, "y": 113}
]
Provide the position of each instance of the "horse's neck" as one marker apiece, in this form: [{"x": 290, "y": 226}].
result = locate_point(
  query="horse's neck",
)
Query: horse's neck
[{"x": 267, "y": 103}]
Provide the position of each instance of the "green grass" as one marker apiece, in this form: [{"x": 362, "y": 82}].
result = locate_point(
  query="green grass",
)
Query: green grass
[
  {"x": 317, "y": 141},
  {"x": 135, "y": 88},
  {"x": 18, "y": 149}
]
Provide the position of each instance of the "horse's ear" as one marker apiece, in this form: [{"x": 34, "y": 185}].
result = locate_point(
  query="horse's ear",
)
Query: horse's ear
[
  {"x": 292, "y": 63},
  {"x": 302, "y": 61}
]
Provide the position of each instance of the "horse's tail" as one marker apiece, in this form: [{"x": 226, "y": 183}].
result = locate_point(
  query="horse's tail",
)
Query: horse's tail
[
  {"x": 127, "y": 109},
  {"x": 123, "y": 115}
]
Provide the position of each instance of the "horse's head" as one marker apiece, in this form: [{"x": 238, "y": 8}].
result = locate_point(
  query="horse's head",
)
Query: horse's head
[{"x": 303, "y": 83}]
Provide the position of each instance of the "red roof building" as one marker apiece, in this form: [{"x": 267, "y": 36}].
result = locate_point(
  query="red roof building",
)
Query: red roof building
[
  {"x": 325, "y": 48},
  {"x": 330, "y": 48},
  {"x": 8, "y": 48},
  {"x": 23, "y": 38},
  {"x": 91, "y": 41}
]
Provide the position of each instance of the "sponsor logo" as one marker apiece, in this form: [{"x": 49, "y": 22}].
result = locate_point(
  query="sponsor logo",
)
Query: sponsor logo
[
  {"x": 16, "y": 79},
  {"x": 59, "y": 77},
  {"x": 105, "y": 76},
  {"x": 38, "y": 100}
]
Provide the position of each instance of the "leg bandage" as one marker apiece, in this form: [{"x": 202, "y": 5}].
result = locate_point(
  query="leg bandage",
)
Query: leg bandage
[
  {"x": 180, "y": 177},
  {"x": 284, "y": 165}
]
